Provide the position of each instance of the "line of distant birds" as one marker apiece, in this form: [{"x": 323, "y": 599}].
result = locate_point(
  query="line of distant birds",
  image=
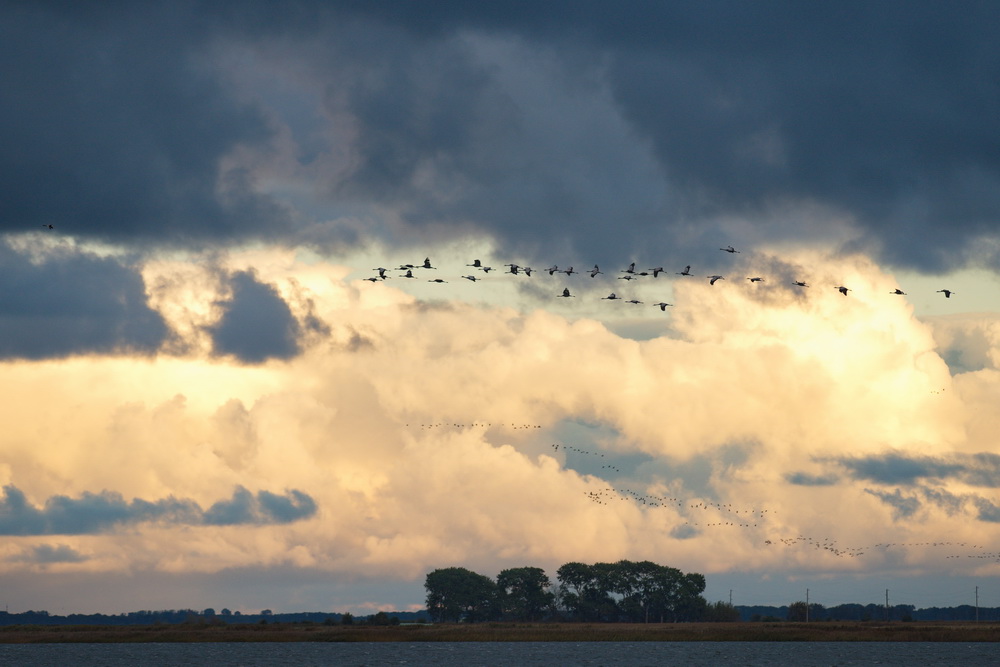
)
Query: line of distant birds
[
  {"x": 702, "y": 514},
  {"x": 723, "y": 515},
  {"x": 629, "y": 274},
  {"x": 512, "y": 425}
]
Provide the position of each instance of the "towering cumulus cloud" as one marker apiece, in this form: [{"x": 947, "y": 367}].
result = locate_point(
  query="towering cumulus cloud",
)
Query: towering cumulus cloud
[{"x": 740, "y": 438}]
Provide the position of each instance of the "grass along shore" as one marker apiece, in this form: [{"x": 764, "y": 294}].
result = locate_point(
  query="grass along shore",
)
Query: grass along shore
[{"x": 510, "y": 632}]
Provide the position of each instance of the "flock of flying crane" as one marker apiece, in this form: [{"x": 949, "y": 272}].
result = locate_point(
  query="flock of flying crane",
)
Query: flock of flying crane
[{"x": 629, "y": 274}]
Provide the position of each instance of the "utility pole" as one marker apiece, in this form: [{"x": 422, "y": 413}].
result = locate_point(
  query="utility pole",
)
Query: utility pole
[
  {"x": 977, "y": 604},
  {"x": 731, "y": 597},
  {"x": 887, "y": 604},
  {"x": 807, "y": 605}
]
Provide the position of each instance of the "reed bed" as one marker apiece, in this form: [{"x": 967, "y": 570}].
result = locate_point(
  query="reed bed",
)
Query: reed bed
[{"x": 512, "y": 632}]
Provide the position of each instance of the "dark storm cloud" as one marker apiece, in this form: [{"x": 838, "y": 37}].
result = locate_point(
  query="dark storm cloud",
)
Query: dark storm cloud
[
  {"x": 112, "y": 128},
  {"x": 66, "y": 302},
  {"x": 257, "y": 324},
  {"x": 560, "y": 127},
  {"x": 883, "y": 111},
  {"x": 102, "y": 512},
  {"x": 981, "y": 469}
]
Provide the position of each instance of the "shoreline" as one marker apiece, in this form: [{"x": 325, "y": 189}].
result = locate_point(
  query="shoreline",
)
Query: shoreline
[{"x": 821, "y": 631}]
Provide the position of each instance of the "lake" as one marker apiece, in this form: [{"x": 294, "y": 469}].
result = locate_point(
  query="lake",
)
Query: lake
[{"x": 472, "y": 654}]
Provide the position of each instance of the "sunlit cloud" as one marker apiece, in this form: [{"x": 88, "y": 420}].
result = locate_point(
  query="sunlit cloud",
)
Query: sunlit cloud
[{"x": 435, "y": 440}]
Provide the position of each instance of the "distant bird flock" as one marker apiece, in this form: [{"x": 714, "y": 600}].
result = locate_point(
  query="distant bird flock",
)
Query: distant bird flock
[
  {"x": 700, "y": 515},
  {"x": 628, "y": 274}
]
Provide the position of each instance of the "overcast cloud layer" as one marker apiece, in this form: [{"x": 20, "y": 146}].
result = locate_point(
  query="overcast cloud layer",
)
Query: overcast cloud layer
[
  {"x": 209, "y": 393},
  {"x": 571, "y": 126}
]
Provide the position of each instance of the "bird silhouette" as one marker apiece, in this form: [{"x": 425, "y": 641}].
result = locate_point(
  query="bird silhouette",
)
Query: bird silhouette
[
  {"x": 686, "y": 271},
  {"x": 730, "y": 249},
  {"x": 565, "y": 293},
  {"x": 947, "y": 293},
  {"x": 594, "y": 271},
  {"x": 663, "y": 305},
  {"x": 712, "y": 279},
  {"x": 843, "y": 290}
]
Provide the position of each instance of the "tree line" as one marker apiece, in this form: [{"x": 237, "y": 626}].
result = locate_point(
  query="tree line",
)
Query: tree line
[
  {"x": 799, "y": 612},
  {"x": 626, "y": 591}
]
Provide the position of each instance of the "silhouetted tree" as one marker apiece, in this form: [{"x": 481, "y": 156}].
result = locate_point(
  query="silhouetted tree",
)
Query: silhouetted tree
[
  {"x": 797, "y": 611},
  {"x": 585, "y": 591},
  {"x": 722, "y": 612},
  {"x": 455, "y": 594},
  {"x": 524, "y": 593}
]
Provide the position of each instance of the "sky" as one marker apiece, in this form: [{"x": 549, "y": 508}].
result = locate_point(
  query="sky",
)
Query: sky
[{"x": 211, "y": 399}]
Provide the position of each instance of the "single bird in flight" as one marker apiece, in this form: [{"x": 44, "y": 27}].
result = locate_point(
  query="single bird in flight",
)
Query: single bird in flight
[
  {"x": 686, "y": 271},
  {"x": 565, "y": 293},
  {"x": 947, "y": 293},
  {"x": 712, "y": 279}
]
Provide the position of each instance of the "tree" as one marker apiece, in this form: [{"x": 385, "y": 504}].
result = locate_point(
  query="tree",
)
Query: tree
[
  {"x": 585, "y": 591},
  {"x": 722, "y": 612},
  {"x": 689, "y": 604},
  {"x": 524, "y": 593},
  {"x": 455, "y": 594},
  {"x": 797, "y": 612}
]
